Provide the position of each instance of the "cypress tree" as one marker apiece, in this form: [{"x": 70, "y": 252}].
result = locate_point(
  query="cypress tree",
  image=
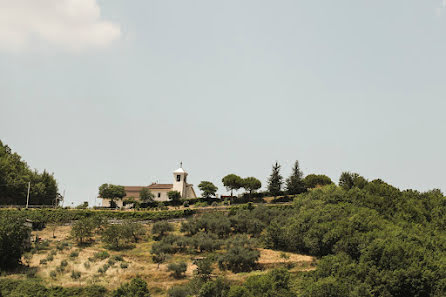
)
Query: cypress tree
[
  {"x": 295, "y": 183},
  {"x": 275, "y": 181}
]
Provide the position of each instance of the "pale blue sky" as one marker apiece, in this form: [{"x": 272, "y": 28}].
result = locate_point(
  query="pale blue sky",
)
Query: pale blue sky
[{"x": 230, "y": 87}]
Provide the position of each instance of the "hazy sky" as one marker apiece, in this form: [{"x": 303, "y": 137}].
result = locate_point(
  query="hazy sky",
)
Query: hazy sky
[{"x": 122, "y": 91}]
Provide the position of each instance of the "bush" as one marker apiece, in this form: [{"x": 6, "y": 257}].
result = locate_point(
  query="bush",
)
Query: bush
[
  {"x": 53, "y": 274},
  {"x": 204, "y": 268},
  {"x": 43, "y": 261},
  {"x": 61, "y": 246},
  {"x": 217, "y": 288},
  {"x": 75, "y": 275},
  {"x": 240, "y": 256},
  {"x": 101, "y": 255},
  {"x": 14, "y": 240},
  {"x": 87, "y": 265},
  {"x": 118, "y": 258},
  {"x": 179, "y": 291},
  {"x": 104, "y": 268},
  {"x": 136, "y": 288},
  {"x": 63, "y": 263},
  {"x": 159, "y": 229},
  {"x": 74, "y": 254},
  {"x": 177, "y": 269},
  {"x": 124, "y": 265}
]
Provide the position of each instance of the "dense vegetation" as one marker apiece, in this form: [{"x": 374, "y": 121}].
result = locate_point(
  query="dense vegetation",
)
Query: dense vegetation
[
  {"x": 15, "y": 175},
  {"x": 370, "y": 238},
  {"x": 373, "y": 239}
]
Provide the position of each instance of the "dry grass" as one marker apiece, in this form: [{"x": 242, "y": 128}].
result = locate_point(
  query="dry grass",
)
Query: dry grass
[{"x": 140, "y": 264}]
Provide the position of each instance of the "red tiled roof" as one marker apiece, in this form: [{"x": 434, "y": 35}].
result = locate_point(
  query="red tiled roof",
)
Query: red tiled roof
[
  {"x": 161, "y": 186},
  {"x": 133, "y": 188}
]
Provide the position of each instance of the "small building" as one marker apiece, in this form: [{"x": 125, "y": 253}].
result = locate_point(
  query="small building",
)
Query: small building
[{"x": 160, "y": 191}]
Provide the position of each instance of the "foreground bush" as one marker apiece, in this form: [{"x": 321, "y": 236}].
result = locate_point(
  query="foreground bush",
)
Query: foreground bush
[
  {"x": 33, "y": 288},
  {"x": 135, "y": 288},
  {"x": 14, "y": 239},
  {"x": 240, "y": 255}
]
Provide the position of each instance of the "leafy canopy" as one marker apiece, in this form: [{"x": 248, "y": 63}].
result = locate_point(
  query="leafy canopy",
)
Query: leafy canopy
[{"x": 207, "y": 189}]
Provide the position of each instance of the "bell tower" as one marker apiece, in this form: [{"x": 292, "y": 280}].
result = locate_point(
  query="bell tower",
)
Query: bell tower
[{"x": 180, "y": 180}]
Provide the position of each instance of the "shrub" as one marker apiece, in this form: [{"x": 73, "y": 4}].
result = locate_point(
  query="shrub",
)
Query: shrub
[
  {"x": 63, "y": 263},
  {"x": 118, "y": 258},
  {"x": 61, "y": 246},
  {"x": 217, "y": 288},
  {"x": 111, "y": 262},
  {"x": 75, "y": 275},
  {"x": 60, "y": 269},
  {"x": 53, "y": 274},
  {"x": 87, "y": 265},
  {"x": 159, "y": 229},
  {"x": 104, "y": 268},
  {"x": 177, "y": 269},
  {"x": 136, "y": 288},
  {"x": 13, "y": 236},
  {"x": 49, "y": 258},
  {"x": 101, "y": 255},
  {"x": 74, "y": 254},
  {"x": 179, "y": 291},
  {"x": 124, "y": 265},
  {"x": 204, "y": 268},
  {"x": 43, "y": 261},
  {"x": 239, "y": 291},
  {"x": 240, "y": 256}
]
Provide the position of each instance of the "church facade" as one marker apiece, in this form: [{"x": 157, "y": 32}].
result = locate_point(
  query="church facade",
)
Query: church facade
[{"x": 160, "y": 191}]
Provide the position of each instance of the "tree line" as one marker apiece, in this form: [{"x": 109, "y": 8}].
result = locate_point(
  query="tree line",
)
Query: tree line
[{"x": 15, "y": 174}]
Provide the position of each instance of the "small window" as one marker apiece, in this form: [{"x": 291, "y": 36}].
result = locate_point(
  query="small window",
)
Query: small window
[
  {"x": 178, "y": 177},
  {"x": 159, "y": 195}
]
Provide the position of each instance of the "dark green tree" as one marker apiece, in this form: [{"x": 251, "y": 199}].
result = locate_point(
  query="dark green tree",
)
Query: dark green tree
[
  {"x": 135, "y": 288},
  {"x": 251, "y": 184},
  {"x": 295, "y": 183},
  {"x": 174, "y": 196},
  {"x": 14, "y": 238},
  {"x": 15, "y": 175},
  {"x": 232, "y": 182},
  {"x": 146, "y": 196},
  {"x": 207, "y": 189},
  {"x": 348, "y": 180},
  {"x": 177, "y": 269},
  {"x": 275, "y": 181},
  {"x": 204, "y": 268},
  {"x": 112, "y": 192},
  {"x": 316, "y": 180}
]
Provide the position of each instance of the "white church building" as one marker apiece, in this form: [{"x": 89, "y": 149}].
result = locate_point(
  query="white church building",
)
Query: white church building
[{"x": 160, "y": 191}]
